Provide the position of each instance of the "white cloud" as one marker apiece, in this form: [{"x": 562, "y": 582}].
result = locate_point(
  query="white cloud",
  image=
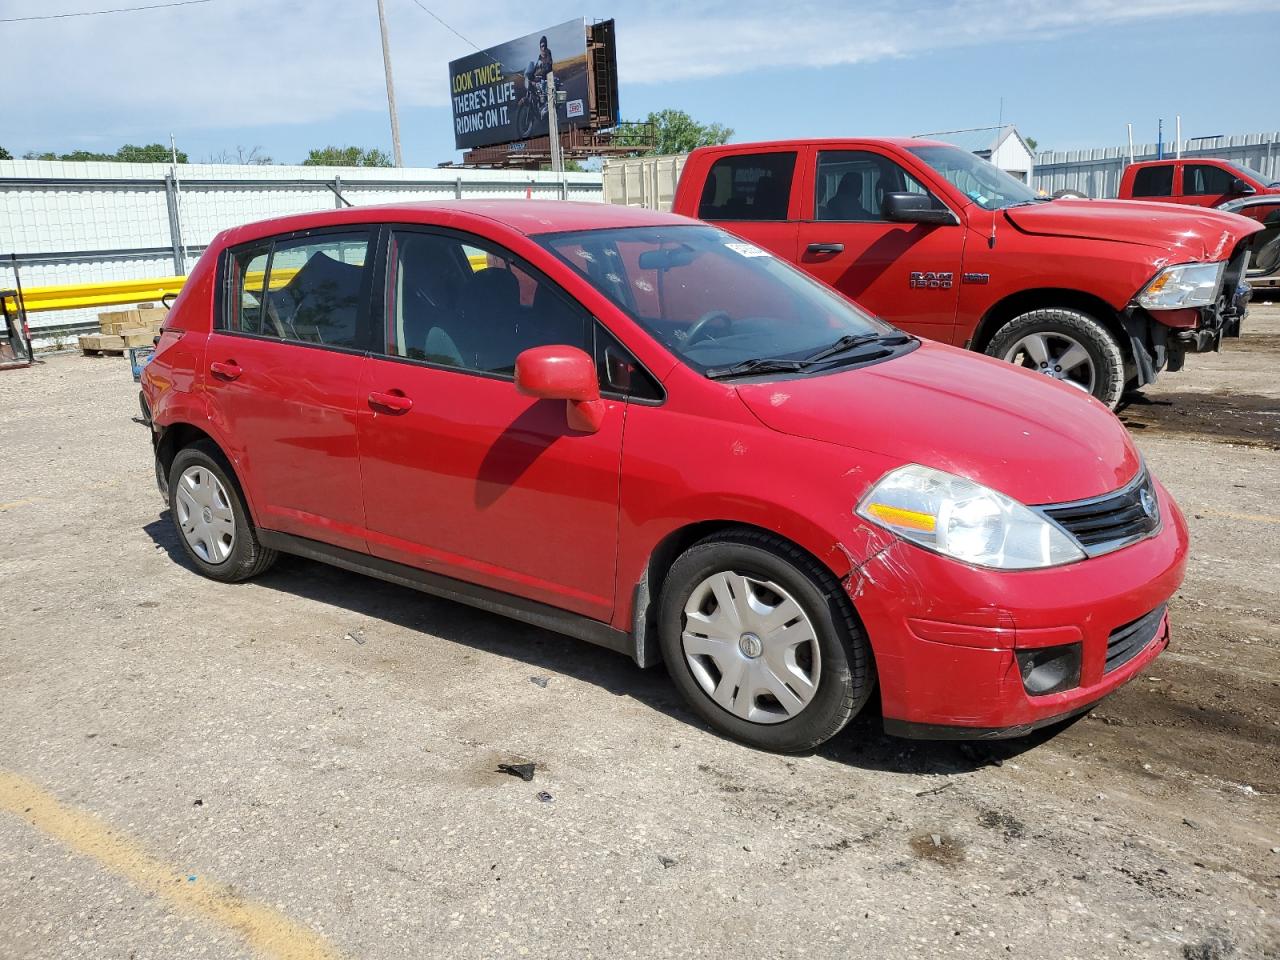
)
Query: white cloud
[{"x": 243, "y": 63}]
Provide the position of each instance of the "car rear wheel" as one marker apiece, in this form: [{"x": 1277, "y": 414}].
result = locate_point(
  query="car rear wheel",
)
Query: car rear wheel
[
  {"x": 1066, "y": 345},
  {"x": 763, "y": 643},
  {"x": 213, "y": 525}
]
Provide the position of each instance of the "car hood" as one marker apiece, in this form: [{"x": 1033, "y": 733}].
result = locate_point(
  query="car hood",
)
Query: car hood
[
  {"x": 1193, "y": 233},
  {"x": 1016, "y": 431}
]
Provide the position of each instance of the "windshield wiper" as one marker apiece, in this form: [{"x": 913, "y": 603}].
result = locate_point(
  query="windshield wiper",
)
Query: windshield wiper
[
  {"x": 756, "y": 365},
  {"x": 849, "y": 341}
]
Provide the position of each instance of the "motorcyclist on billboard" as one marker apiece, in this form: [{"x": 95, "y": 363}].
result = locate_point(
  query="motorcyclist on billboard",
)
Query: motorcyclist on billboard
[{"x": 537, "y": 71}]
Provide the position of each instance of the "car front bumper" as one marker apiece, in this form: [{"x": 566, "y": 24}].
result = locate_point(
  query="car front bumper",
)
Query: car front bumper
[{"x": 947, "y": 636}]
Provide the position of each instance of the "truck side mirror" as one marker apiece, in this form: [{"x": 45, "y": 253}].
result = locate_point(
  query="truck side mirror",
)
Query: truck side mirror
[
  {"x": 1239, "y": 186},
  {"x": 914, "y": 208}
]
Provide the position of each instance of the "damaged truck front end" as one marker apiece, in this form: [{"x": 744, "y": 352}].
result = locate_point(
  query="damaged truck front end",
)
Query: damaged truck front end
[{"x": 1186, "y": 308}]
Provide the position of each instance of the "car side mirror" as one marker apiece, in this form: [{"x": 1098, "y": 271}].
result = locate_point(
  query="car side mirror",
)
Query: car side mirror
[
  {"x": 1239, "y": 186},
  {"x": 914, "y": 208},
  {"x": 561, "y": 372}
]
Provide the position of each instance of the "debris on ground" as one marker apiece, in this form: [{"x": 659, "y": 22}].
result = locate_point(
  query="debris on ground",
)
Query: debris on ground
[
  {"x": 545, "y": 797},
  {"x": 198, "y": 802},
  {"x": 522, "y": 770},
  {"x": 357, "y": 636},
  {"x": 540, "y": 681},
  {"x": 932, "y": 790},
  {"x": 667, "y": 862}
]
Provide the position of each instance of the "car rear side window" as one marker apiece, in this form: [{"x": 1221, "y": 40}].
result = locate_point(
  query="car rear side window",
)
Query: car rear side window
[
  {"x": 753, "y": 186},
  {"x": 311, "y": 289},
  {"x": 470, "y": 305},
  {"x": 1201, "y": 180},
  {"x": 1154, "y": 182}
]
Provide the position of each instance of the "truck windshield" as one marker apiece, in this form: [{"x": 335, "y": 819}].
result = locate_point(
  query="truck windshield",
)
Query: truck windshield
[
  {"x": 982, "y": 182},
  {"x": 1251, "y": 174},
  {"x": 716, "y": 301}
]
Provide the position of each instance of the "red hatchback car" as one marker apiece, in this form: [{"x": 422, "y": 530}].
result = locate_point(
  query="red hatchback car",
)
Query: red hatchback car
[{"x": 642, "y": 431}]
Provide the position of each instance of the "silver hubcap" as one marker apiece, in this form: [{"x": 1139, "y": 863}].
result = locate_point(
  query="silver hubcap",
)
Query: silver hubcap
[
  {"x": 1055, "y": 355},
  {"x": 205, "y": 515},
  {"x": 751, "y": 648}
]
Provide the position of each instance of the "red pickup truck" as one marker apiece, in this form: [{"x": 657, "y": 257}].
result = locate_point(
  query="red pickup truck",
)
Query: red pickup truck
[
  {"x": 1100, "y": 294},
  {"x": 1200, "y": 181}
]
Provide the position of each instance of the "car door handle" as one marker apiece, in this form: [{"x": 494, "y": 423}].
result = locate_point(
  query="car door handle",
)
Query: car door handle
[
  {"x": 394, "y": 402},
  {"x": 225, "y": 371},
  {"x": 825, "y": 248}
]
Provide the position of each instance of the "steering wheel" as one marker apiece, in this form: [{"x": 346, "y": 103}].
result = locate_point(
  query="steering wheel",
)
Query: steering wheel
[{"x": 698, "y": 330}]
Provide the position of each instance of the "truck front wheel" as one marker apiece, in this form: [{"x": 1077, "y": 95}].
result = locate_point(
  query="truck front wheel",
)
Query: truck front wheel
[{"x": 1066, "y": 345}]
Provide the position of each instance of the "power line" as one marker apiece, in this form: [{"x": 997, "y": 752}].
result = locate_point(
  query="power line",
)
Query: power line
[
  {"x": 98, "y": 13},
  {"x": 447, "y": 27}
]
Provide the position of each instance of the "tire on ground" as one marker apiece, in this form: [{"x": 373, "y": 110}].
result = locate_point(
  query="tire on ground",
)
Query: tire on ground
[
  {"x": 847, "y": 676},
  {"x": 1100, "y": 343},
  {"x": 248, "y": 557}
]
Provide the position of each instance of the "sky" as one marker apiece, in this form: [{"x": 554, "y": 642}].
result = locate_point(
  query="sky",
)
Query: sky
[{"x": 289, "y": 75}]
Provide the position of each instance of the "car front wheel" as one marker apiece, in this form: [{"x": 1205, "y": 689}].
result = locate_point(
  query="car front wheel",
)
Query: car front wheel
[
  {"x": 763, "y": 642},
  {"x": 1066, "y": 345}
]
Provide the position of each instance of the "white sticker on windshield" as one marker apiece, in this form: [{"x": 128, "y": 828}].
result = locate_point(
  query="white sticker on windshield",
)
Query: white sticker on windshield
[{"x": 747, "y": 249}]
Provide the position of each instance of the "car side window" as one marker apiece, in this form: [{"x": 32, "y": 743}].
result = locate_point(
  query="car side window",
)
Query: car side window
[
  {"x": 620, "y": 372},
  {"x": 314, "y": 287},
  {"x": 851, "y": 185},
  {"x": 246, "y": 281},
  {"x": 754, "y": 186},
  {"x": 1154, "y": 182},
  {"x": 471, "y": 305},
  {"x": 1200, "y": 180}
]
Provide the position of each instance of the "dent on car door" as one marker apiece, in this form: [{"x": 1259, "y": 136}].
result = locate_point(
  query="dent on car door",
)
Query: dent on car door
[
  {"x": 463, "y": 475},
  {"x": 908, "y": 273},
  {"x": 754, "y": 195},
  {"x": 283, "y": 369}
]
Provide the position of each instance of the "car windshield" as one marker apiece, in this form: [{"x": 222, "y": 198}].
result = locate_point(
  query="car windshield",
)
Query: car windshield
[
  {"x": 1251, "y": 173},
  {"x": 982, "y": 182},
  {"x": 714, "y": 300}
]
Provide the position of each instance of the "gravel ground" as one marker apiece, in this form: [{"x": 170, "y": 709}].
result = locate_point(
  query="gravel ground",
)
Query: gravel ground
[{"x": 304, "y": 766}]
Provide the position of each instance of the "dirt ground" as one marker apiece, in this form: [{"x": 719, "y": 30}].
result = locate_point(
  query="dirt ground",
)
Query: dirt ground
[{"x": 305, "y": 766}]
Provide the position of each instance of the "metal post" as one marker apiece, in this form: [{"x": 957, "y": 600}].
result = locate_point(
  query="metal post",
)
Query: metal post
[
  {"x": 177, "y": 208},
  {"x": 553, "y": 124},
  {"x": 175, "y": 225},
  {"x": 457, "y": 188},
  {"x": 1177, "y": 137},
  {"x": 338, "y": 201},
  {"x": 1160, "y": 139},
  {"x": 391, "y": 87},
  {"x": 1130, "y": 126}
]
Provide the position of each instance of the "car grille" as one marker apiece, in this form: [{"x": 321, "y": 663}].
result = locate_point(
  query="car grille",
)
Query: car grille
[
  {"x": 1112, "y": 521},
  {"x": 1128, "y": 641}
]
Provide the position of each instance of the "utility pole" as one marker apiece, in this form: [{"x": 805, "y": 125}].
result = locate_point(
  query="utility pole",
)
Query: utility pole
[
  {"x": 391, "y": 87},
  {"x": 553, "y": 124}
]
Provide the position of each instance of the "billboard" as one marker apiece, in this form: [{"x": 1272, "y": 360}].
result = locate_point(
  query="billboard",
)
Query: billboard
[{"x": 499, "y": 94}]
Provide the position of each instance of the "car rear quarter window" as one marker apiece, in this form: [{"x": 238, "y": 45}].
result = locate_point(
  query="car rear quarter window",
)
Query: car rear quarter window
[
  {"x": 1203, "y": 180},
  {"x": 246, "y": 281},
  {"x": 751, "y": 186},
  {"x": 1154, "y": 181}
]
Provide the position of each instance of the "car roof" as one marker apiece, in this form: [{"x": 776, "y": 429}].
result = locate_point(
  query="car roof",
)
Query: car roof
[
  {"x": 904, "y": 142},
  {"x": 530, "y": 217}
]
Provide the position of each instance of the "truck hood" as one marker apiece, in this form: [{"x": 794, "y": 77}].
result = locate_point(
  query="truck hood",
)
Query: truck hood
[
  {"x": 1014, "y": 430},
  {"x": 1192, "y": 233}
]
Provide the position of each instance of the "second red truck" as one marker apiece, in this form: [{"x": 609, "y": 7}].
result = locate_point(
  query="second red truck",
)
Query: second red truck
[{"x": 1102, "y": 295}]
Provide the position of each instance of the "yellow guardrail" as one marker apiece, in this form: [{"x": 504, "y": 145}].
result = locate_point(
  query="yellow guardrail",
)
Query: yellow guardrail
[{"x": 116, "y": 293}]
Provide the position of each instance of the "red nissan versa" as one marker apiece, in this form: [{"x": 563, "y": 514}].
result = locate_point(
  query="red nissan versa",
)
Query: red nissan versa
[{"x": 642, "y": 431}]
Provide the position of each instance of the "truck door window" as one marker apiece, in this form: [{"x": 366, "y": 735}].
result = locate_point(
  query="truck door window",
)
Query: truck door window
[
  {"x": 752, "y": 186},
  {"x": 1154, "y": 182},
  {"x": 851, "y": 185},
  {"x": 1200, "y": 180}
]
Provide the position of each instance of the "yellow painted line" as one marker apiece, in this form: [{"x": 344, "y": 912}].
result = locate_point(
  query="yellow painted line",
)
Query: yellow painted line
[
  {"x": 26, "y": 502},
  {"x": 1229, "y": 515},
  {"x": 266, "y": 931}
]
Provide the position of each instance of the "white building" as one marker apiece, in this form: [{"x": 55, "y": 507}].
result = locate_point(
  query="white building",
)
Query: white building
[{"x": 1003, "y": 146}]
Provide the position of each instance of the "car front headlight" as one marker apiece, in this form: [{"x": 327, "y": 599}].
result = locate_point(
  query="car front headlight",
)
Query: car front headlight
[
  {"x": 965, "y": 520},
  {"x": 1183, "y": 285}
]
